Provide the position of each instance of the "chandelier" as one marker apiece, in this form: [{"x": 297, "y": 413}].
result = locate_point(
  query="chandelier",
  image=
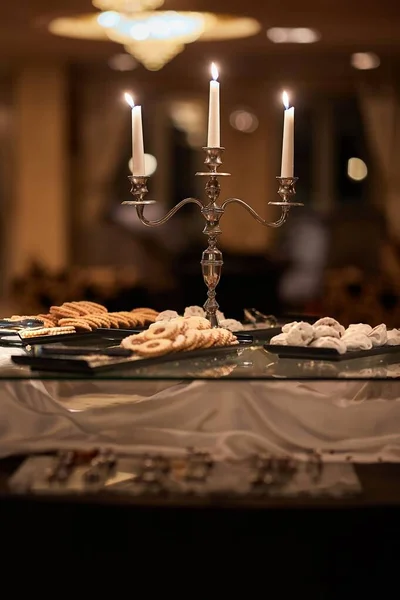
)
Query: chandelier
[
  {"x": 127, "y": 7},
  {"x": 153, "y": 37}
]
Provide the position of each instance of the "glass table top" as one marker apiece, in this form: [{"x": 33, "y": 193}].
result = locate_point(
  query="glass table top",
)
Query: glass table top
[{"x": 248, "y": 363}]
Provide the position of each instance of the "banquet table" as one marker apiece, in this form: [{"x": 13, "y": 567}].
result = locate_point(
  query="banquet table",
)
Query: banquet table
[{"x": 247, "y": 403}]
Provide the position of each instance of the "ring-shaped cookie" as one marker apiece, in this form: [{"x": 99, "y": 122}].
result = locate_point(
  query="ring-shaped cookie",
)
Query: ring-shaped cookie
[
  {"x": 166, "y": 331},
  {"x": 156, "y": 347}
]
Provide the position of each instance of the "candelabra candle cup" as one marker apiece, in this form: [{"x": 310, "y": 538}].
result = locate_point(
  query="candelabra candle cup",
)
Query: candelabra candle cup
[{"x": 212, "y": 211}]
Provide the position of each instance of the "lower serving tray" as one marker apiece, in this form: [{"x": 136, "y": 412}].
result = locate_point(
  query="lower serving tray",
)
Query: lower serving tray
[
  {"x": 327, "y": 353},
  {"x": 85, "y": 365}
]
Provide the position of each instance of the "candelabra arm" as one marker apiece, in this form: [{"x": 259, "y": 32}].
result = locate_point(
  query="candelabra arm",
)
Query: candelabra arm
[
  {"x": 255, "y": 215},
  {"x": 157, "y": 222}
]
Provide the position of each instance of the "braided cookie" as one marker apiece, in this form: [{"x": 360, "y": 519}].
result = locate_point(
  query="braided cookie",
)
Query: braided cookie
[
  {"x": 48, "y": 320},
  {"x": 93, "y": 307},
  {"x": 133, "y": 319},
  {"x": 123, "y": 322},
  {"x": 62, "y": 312},
  {"x": 98, "y": 320},
  {"x": 80, "y": 324}
]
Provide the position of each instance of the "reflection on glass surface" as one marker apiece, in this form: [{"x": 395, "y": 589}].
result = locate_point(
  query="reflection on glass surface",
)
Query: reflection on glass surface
[{"x": 248, "y": 363}]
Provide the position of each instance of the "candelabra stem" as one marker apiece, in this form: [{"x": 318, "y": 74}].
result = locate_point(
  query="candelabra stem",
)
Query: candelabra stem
[{"x": 211, "y": 260}]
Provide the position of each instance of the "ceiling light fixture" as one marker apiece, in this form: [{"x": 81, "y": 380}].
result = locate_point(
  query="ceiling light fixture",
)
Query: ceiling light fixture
[
  {"x": 365, "y": 61},
  {"x": 127, "y": 6},
  {"x": 155, "y": 37},
  {"x": 357, "y": 169},
  {"x": 293, "y": 35}
]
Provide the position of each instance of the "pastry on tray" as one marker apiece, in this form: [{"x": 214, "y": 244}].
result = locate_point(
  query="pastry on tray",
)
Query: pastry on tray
[
  {"x": 329, "y": 333},
  {"x": 85, "y": 316},
  {"x": 178, "y": 334}
]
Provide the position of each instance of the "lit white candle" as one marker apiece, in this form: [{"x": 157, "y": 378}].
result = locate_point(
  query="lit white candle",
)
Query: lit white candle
[
  {"x": 213, "y": 139},
  {"x": 137, "y": 137},
  {"x": 287, "y": 167}
]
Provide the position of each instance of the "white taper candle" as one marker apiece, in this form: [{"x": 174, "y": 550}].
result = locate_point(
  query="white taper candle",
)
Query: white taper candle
[
  {"x": 213, "y": 139},
  {"x": 138, "y": 167},
  {"x": 287, "y": 166}
]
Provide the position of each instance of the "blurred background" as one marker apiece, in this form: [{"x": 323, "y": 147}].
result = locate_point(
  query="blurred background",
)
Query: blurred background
[{"x": 65, "y": 145}]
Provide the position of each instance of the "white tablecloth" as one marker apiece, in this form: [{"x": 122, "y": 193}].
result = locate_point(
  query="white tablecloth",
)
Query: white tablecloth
[{"x": 229, "y": 418}]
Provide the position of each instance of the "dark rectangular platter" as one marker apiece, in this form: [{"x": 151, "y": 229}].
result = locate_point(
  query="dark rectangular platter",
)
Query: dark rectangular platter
[
  {"x": 260, "y": 334},
  {"x": 327, "y": 353},
  {"x": 79, "y": 365}
]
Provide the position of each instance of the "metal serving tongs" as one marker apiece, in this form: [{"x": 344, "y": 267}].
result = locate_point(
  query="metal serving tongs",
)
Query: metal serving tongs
[
  {"x": 254, "y": 316},
  {"x": 30, "y": 323}
]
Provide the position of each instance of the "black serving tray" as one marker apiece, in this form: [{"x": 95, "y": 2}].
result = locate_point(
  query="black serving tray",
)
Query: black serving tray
[
  {"x": 329, "y": 354},
  {"x": 82, "y": 365}
]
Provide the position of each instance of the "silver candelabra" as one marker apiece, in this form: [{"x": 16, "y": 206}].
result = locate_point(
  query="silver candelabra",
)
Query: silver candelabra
[{"x": 211, "y": 260}]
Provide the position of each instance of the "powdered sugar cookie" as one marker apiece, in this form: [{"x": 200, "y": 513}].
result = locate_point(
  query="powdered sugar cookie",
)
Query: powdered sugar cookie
[
  {"x": 359, "y": 328},
  {"x": 305, "y": 330},
  {"x": 331, "y": 323},
  {"x": 194, "y": 311},
  {"x": 325, "y": 331},
  {"x": 286, "y": 328},
  {"x": 231, "y": 324},
  {"x": 393, "y": 337},
  {"x": 220, "y": 316},
  {"x": 156, "y": 347},
  {"x": 329, "y": 342},
  {"x": 357, "y": 341},
  {"x": 279, "y": 340},
  {"x": 295, "y": 337},
  {"x": 168, "y": 331},
  {"x": 378, "y": 335},
  {"x": 167, "y": 315}
]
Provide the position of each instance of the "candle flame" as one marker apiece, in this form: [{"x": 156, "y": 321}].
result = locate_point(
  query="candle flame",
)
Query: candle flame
[
  {"x": 285, "y": 99},
  {"x": 129, "y": 99},
  {"x": 214, "y": 71}
]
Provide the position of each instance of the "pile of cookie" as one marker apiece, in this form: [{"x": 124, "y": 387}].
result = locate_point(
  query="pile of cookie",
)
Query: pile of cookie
[
  {"x": 198, "y": 311},
  {"x": 329, "y": 333},
  {"x": 178, "y": 334},
  {"x": 85, "y": 316}
]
